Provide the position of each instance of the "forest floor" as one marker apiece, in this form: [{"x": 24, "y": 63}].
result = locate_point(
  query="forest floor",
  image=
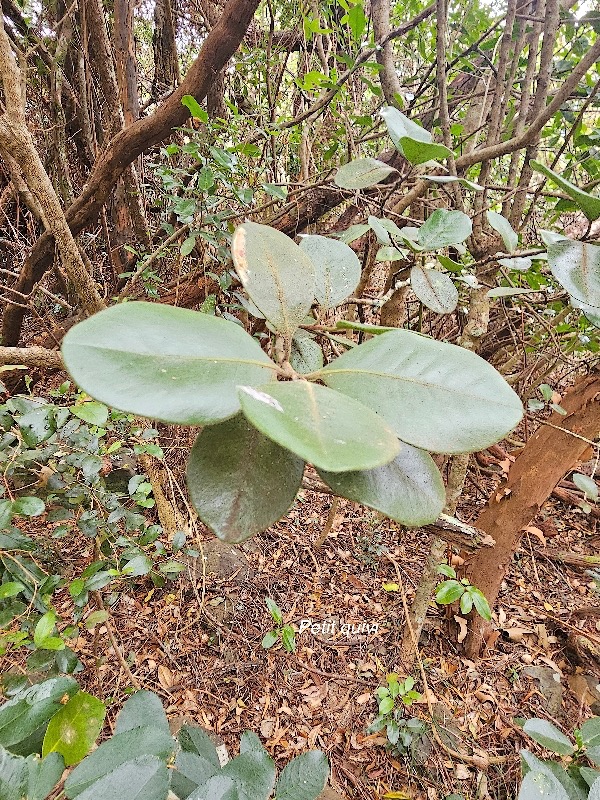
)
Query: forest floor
[{"x": 197, "y": 644}]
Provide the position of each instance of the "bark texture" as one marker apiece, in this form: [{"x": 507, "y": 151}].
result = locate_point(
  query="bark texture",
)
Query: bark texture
[{"x": 551, "y": 452}]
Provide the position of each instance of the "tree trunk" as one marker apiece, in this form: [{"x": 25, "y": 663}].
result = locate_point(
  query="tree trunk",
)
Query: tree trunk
[
  {"x": 125, "y": 60},
  {"x": 126, "y": 146},
  {"x": 553, "y": 450},
  {"x": 166, "y": 63}
]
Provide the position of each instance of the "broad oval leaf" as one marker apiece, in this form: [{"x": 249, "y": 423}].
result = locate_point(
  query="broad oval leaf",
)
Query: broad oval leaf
[
  {"x": 576, "y": 266},
  {"x": 541, "y": 786},
  {"x": 240, "y": 481},
  {"x": 444, "y": 228},
  {"x": 28, "y": 778},
  {"x": 592, "y": 313},
  {"x": 277, "y": 275},
  {"x": 337, "y": 269},
  {"x": 73, "y": 730},
  {"x": 419, "y": 152},
  {"x": 449, "y": 591},
  {"x": 24, "y": 717},
  {"x": 434, "y": 289},
  {"x": 94, "y": 413},
  {"x": 164, "y": 362},
  {"x": 586, "y": 484},
  {"x": 588, "y": 203},
  {"x": 140, "y": 709},
  {"x": 28, "y": 506},
  {"x": 408, "y": 490},
  {"x": 219, "y": 787},
  {"x": 306, "y": 354},
  {"x": 400, "y": 126},
  {"x": 325, "y": 428},
  {"x": 595, "y": 790},
  {"x": 436, "y": 396},
  {"x": 502, "y": 226},
  {"x": 253, "y": 773},
  {"x": 142, "y": 778},
  {"x": 549, "y": 736},
  {"x": 144, "y": 742},
  {"x": 304, "y": 777},
  {"x": 362, "y": 173},
  {"x": 590, "y": 732}
]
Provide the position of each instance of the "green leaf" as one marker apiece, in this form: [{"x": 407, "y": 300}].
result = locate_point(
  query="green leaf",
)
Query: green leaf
[
  {"x": 219, "y": 787},
  {"x": 240, "y": 481},
  {"x": 502, "y": 226},
  {"x": 288, "y": 639},
  {"x": 28, "y": 506},
  {"x": 191, "y": 770},
  {"x": 434, "y": 289},
  {"x": 400, "y": 126},
  {"x": 253, "y": 773},
  {"x": 437, "y": 396},
  {"x": 541, "y": 786},
  {"x": 277, "y": 275},
  {"x": 590, "y": 732},
  {"x": 142, "y": 708},
  {"x": 10, "y": 589},
  {"x": 549, "y": 736},
  {"x": 466, "y": 603},
  {"x": 583, "y": 482},
  {"x": 28, "y": 778},
  {"x": 274, "y": 610},
  {"x": 269, "y": 639},
  {"x": 250, "y": 742},
  {"x": 24, "y": 717},
  {"x": 306, "y": 355},
  {"x": 588, "y": 203},
  {"x": 418, "y": 152},
  {"x": 194, "y": 740},
  {"x": 361, "y": 173},
  {"x": 37, "y": 426},
  {"x": 337, "y": 269},
  {"x": 521, "y": 264},
  {"x": 73, "y": 730},
  {"x": 164, "y": 362},
  {"x": 591, "y": 312},
  {"x": 113, "y": 754},
  {"x": 380, "y": 231},
  {"x": 194, "y": 108},
  {"x": 576, "y": 266},
  {"x": 480, "y": 602},
  {"x": 44, "y": 628},
  {"x": 594, "y": 790},
  {"x": 453, "y": 179},
  {"x": 96, "y": 618},
  {"x": 386, "y": 704},
  {"x": 187, "y": 245},
  {"x": 319, "y": 425},
  {"x": 137, "y": 566},
  {"x": 447, "y": 570},
  {"x": 94, "y": 413},
  {"x": 409, "y": 490},
  {"x": 304, "y": 777},
  {"x": 449, "y": 591},
  {"x": 509, "y": 291},
  {"x": 444, "y": 228},
  {"x": 357, "y": 22},
  {"x": 142, "y": 778}
]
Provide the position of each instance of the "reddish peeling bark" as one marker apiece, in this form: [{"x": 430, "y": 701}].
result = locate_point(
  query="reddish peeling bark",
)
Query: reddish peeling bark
[
  {"x": 549, "y": 454},
  {"x": 220, "y": 44}
]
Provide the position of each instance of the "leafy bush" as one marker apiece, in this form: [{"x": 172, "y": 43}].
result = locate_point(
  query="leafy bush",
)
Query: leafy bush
[
  {"x": 56, "y": 720},
  {"x": 548, "y": 780},
  {"x": 393, "y": 700},
  {"x": 366, "y": 430},
  {"x": 65, "y": 455}
]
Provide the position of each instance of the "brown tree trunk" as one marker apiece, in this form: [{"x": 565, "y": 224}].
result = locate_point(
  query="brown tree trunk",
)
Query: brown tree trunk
[
  {"x": 166, "y": 62},
  {"x": 125, "y": 59},
  {"x": 553, "y": 450},
  {"x": 126, "y": 146}
]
